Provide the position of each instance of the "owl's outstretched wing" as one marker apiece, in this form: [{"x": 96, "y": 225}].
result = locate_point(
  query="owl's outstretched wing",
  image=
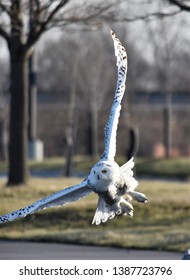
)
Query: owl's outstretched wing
[
  {"x": 112, "y": 124},
  {"x": 57, "y": 199}
]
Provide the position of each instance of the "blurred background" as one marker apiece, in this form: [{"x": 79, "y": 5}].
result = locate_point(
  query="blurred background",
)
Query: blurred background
[
  {"x": 57, "y": 80},
  {"x": 75, "y": 76}
]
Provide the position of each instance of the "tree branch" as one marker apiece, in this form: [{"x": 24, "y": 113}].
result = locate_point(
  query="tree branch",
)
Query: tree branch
[
  {"x": 43, "y": 25},
  {"x": 52, "y": 14},
  {"x": 4, "y": 8},
  {"x": 4, "y": 34},
  {"x": 181, "y": 5},
  {"x": 92, "y": 15},
  {"x": 150, "y": 16},
  {"x": 111, "y": 17},
  {"x": 96, "y": 15}
]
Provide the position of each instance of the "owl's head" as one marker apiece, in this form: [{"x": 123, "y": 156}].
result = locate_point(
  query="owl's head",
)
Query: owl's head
[{"x": 104, "y": 173}]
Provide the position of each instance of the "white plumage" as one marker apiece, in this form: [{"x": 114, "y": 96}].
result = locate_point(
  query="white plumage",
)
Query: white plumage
[
  {"x": 114, "y": 185},
  {"x": 111, "y": 127}
]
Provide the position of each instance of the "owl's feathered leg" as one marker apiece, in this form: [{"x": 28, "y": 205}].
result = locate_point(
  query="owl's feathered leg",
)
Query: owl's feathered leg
[{"x": 128, "y": 183}]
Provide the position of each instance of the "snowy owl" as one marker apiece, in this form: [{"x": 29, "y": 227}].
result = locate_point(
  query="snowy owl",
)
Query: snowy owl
[{"x": 114, "y": 185}]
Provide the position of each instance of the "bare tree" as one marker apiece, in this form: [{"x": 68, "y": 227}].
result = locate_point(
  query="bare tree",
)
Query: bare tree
[
  {"x": 184, "y": 5},
  {"x": 21, "y": 41}
]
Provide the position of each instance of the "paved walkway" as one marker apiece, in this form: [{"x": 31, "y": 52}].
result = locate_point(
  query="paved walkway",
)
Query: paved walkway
[{"x": 13, "y": 250}]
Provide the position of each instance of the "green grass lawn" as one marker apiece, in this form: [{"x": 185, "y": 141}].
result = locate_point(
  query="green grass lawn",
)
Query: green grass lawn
[
  {"x": 165, "y": 168},
  {"x": 161, "y": 224}
]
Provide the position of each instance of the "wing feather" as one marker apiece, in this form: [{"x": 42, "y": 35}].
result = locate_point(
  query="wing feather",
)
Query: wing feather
[
  {"x": 112, "y": 124},
  {"x": 59, "y": 198},
  {"x": 103, "y": 213}
]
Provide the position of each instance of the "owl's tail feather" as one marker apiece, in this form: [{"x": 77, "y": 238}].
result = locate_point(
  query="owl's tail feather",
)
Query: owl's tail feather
[
  {"x": 105, "y": 211},
  {"x": 102, "y": 213}
]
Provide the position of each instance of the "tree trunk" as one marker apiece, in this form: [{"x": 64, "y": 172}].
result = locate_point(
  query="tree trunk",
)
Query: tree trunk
[
  {"x": 167, "y": 131},
  {"x": 3, "y": 142},
  {"x": 69, "y": 151},
  {"x": 18, "y": 149},
  {"x": 94, "y": 133},
  {"x": 70, "y": 136},
  {"x": 133, "y": 142}
]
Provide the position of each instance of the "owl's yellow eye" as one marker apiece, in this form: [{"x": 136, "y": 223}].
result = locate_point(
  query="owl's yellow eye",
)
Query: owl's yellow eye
[{"x": 104, "y": 171}]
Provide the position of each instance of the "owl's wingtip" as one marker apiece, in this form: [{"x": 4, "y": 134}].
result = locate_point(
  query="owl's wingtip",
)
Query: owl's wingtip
[{"x": 112, "y": 33}]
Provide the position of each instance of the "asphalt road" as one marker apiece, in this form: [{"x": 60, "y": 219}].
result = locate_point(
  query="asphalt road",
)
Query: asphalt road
[{"x": 13, "y": 250}]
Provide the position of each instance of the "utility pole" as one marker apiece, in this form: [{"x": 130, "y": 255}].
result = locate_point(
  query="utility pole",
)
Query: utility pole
[
  {"x": 168, "y": 125},
  {"x": 35, "y": 146}
]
